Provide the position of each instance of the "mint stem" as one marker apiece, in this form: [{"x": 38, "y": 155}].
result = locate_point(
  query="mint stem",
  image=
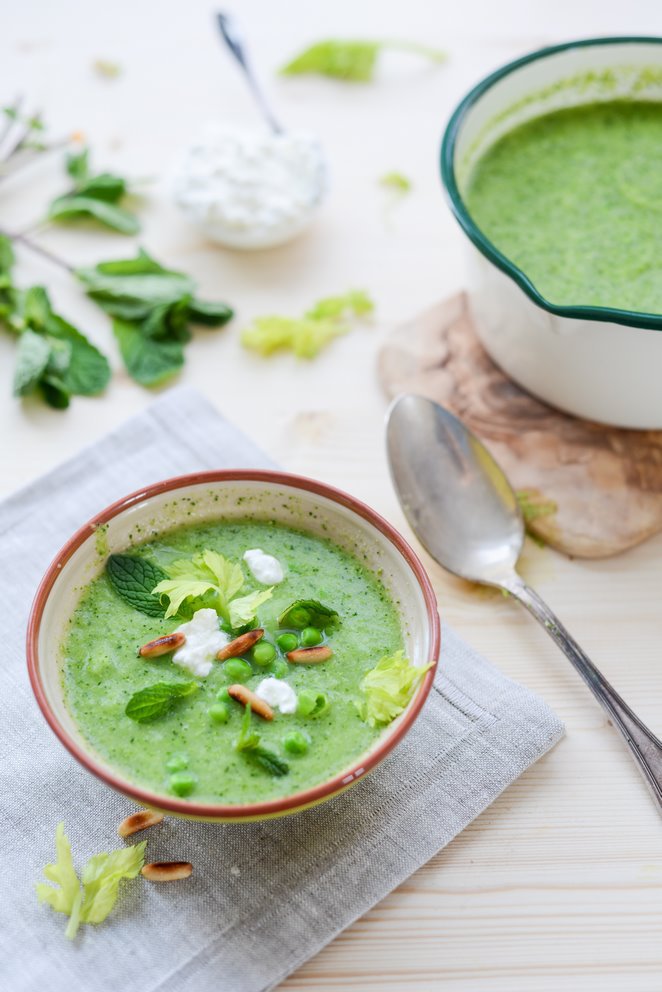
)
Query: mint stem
[{"x": 37, "y": 249}]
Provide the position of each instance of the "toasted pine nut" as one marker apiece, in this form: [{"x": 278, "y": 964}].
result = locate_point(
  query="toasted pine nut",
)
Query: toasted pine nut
[
  {"x": 139, "y": 821},
  {"x": 162, "y": 645},
  {"x": 166, "y": 871},
  {"x": 309, "y": 656},
  {"x": 240, "y": 645},
  {"x": 248, "y": 698}
]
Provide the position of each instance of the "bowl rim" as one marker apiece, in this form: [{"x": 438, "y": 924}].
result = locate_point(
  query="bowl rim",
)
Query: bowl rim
[
  {"x": 244, "y": 811},
  {"x": 631, "y": 318}
]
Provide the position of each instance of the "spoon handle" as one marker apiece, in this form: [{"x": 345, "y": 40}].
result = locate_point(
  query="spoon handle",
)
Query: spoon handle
[
  {"x": 230, "y": 33},
  {"x": 643, "y": 743}
]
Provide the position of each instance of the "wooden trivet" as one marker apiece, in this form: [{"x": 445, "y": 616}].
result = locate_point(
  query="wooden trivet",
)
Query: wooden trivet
[{"x": 599, "y": 488}]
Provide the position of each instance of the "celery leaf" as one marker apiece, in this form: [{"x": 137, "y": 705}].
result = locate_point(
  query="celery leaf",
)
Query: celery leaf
[
  {"x": 210, "y": 573},
  {"x": 388, "y": 688},
  {"x": 351, "y": 60}
]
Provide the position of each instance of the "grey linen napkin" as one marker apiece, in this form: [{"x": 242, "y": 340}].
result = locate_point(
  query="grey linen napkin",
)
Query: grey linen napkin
[{"x": 264, "y": 897}]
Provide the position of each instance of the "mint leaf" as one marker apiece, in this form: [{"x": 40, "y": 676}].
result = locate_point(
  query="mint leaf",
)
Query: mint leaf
[
  {"x": 133, "y": 578},
  {"x": 140, "y": 265},
  {"x": 268, "y": 760},
  {"x": 209, "y": 314},
  {"x": 152, "y": 307},
  {"x": 151, "y": 287},
  {"x": 88, "y": 371},
  {"x": 94, "y": 196},
  {"x": 103, "y": 187},
  {"x": 150, "y": 362},
  {"x": 32, "y": 358},
  {"x": 308, "y": 613},
  {"x": 249, "y": 745},
  {"x": 71, "y": 207},
  {"x": 156, "y": 700},
  {"x": 55, "y": 392},
  {"x": 36, "y": 307},
  {"x": 6, "y": 254},
  {"x": 77, "y": 165}
]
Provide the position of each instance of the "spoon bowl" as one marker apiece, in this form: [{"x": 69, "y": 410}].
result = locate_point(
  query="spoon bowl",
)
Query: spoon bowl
[{"x": 454, "y": 495}]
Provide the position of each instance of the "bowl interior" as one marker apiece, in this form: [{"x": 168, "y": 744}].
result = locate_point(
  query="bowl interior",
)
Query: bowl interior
[{"x": 144, "y": 516}]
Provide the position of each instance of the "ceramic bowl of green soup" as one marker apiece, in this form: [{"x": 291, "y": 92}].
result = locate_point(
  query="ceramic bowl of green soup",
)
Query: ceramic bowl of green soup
[
  {"x": 552, "y": 168},
  {"x": 233, "y": 645}
]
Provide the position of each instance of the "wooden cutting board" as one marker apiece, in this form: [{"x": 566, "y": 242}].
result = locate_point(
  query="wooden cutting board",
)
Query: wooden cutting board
[{"x": 586, "y": 489}]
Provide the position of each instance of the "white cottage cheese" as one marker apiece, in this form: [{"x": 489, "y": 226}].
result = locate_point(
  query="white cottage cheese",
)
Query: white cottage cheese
[
  {"x": 203, "y": 640},
  {"x": 278, "y": 694},
  {"x": 265, "y": 568},
  {"x": 251, "y": 188}
]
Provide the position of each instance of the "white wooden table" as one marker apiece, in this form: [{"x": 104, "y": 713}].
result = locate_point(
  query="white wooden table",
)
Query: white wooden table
[{"x": 559, "y": 884}]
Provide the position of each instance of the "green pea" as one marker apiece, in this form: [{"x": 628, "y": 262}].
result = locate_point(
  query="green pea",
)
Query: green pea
[
  {"x": 263, "y": 653},
  {"x": 287, "y": 642},
  {"x": 295, "y": 742},
  {"x": 177, "y": 763},
  {"x": 223, "y": 695},
  {"x": 279, "y": 669},
  {"x": 237, "y": 669},
  {"x": 219, "y": 713},
  {"x": 310, "y": 636},
  {"x": 313, "y": 704},
  {"x": 182, "y": 783}
]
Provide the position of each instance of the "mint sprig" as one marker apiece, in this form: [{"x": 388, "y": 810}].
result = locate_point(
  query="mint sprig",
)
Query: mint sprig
[
  {"x": 133, "y": 578},
  {"x": 249, "y": 745},
  {"x": 53, "y": 357},
  {"x": 152, "y": 308},
  {"x": 94, "y": 196},
  {"x": 157, "y": 700}
]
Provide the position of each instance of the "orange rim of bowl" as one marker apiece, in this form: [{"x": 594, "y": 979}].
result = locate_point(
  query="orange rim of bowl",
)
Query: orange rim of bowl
[{"x": 273, "y": 807}]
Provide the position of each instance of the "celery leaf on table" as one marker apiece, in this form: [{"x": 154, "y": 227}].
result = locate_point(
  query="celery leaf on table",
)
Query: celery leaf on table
[
  {"x": 101, "y": 877},
  {"x": 397, "y": 182},
  {"x": 306, "y": 336},
  {"x": 351, "y": 60}
]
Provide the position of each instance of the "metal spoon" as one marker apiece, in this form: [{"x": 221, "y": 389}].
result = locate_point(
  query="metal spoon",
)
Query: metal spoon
[
  {"x": 465, "y": 513},
  {"x": 234, "y": 41}
]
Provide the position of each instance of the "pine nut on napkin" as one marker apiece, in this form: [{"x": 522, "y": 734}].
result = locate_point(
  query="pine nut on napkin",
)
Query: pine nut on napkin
[{"x": 264, "y": 897}]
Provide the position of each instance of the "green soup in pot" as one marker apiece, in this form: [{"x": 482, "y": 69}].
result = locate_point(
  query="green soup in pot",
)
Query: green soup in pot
[
  {"x": 191, "y": 750},
  {"x": 574, "y": 199}
]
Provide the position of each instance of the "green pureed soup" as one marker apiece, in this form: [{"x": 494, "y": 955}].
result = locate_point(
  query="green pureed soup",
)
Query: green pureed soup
[
  {"x": 574, "y": 199},
  {"x": 176, "y": 729}
]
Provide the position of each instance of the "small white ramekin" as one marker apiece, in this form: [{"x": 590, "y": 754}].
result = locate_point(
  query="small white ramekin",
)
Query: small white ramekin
[{"x": 595, "y": 362}]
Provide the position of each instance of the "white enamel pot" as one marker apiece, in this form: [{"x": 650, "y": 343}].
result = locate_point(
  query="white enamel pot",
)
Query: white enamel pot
[{"x": 594, "y": 362}]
